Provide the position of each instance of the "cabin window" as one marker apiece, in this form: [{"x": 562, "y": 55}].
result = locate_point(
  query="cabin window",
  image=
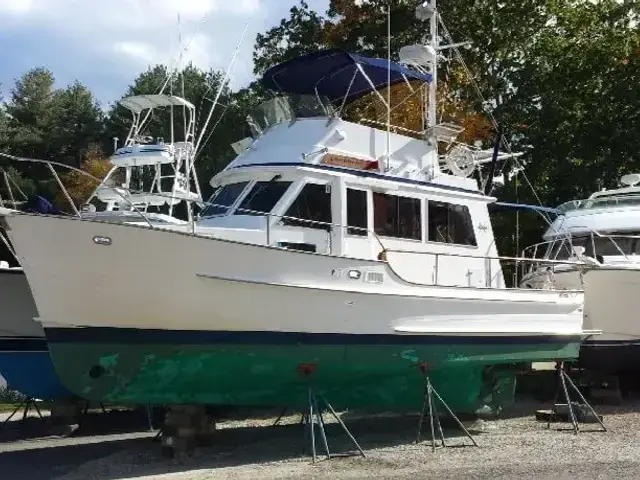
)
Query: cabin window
[
  {"x": 223, "y": 198},
  {"x": 396, "y": 216},
  {"x": 357, "y": 221},
  {"x": 449, "y": 223},
  {"x": 262, "y": 197},
  {"x": 312, "y": 205}
]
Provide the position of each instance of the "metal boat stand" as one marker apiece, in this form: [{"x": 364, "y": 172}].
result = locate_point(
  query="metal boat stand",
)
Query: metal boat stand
[
  {"x": 434, "y": 420},
  {"x": 314, "y": 417},
  {"x": 563, "y": 380},
  {"x": 27, "y": 404},
  {"x": 88, "y": 404}
]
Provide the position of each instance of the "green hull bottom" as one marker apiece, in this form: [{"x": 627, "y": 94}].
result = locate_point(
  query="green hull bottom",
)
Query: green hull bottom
[{"x": 467, "y": 376}]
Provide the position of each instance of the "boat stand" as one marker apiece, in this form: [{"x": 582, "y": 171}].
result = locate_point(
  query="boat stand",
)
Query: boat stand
[
  {"x": 563, "y": 380},
  {"x": 434, "y": 420},
  {"x": 314, "y": 416},
  {"x": 27, "y": 404}
]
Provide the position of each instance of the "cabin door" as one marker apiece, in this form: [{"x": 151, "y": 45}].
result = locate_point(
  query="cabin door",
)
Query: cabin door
[{"x": 357, "y": 223}]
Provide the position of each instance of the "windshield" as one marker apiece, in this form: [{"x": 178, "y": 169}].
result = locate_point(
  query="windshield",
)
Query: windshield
[
  {"x": 614, "y": 244},
  {"x": 285, "y": 109},
  {"x": 600, "y": 202},
  {"x": 262, "y": 198},
  {"x": 222, "y": 199}
]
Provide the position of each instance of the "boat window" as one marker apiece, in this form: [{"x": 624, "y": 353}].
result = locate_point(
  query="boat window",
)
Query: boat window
[
  {"x": 396, "y": 216},
  {"x": 222, "y": 199},
  {"x": 614, "y": 246},
  {"x": 357, "y": 221},
  {"x": 449, "y": 223},
  {"x": 262, "y": 197},
  {"x": 313, "y": 204}
]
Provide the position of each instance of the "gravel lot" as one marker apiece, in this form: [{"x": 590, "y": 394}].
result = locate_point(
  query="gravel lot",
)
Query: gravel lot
[{"x": 509, "y": 448}]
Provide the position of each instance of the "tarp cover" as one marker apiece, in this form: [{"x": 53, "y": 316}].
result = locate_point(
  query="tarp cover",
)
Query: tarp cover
[
  {"x": 332, "y": 72},
  {"x": 38, "y": 204}
]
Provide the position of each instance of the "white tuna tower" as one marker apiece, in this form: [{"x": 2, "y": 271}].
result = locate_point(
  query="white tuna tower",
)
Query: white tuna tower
[{"x": 143, "y": 158}]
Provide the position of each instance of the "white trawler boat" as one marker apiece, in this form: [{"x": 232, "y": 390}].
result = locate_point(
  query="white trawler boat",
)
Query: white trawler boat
[
  {"x": 326, "y": 243},
  {"x": 599, "y": 238}
]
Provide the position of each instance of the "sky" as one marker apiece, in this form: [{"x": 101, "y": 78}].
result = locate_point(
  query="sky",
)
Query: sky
[{"x": 105, "y": 44}]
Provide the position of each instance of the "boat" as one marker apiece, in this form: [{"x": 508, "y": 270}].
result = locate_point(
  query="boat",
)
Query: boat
[
  {"x": 331, "y": 252},
  {"x": 25, "y": 364},
  {"x": 598, "y": 238},
  {"x": 150, "y": 177},
  {"x": 24, "y": 356}
]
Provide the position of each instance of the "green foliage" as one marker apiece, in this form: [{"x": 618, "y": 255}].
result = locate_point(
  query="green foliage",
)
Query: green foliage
[
  {"x": 301, "y": 33},
  {"x": 19, "y": 185}
]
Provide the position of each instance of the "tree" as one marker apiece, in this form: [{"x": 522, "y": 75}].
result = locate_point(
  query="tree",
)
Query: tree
[
  {"x": 301, "y": 33},
  {"x": 30, "y": 113},
  {"x": 76, "y": 124},
  {"x": 80, "y": 186}
]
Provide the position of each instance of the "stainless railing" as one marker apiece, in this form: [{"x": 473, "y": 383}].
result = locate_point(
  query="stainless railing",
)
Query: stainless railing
[
  {"x": 272, "y": 218},
  {"x": 567, "y": 245}
]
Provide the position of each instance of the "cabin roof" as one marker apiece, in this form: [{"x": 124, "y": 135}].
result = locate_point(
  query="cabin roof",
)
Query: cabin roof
[{"x": 337, "y": 74}]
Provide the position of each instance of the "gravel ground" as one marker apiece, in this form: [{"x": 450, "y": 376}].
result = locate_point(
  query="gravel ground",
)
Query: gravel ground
[{"x": 509, "y": 448}]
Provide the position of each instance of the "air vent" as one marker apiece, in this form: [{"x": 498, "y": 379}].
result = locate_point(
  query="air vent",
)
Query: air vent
[{"x": 374, "y": 277}]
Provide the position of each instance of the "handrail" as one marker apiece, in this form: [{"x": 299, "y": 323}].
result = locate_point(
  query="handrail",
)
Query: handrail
[
  {"x": 50, "y": 164},
  {"x": 270, "y": 215},
  {"x": 611, "y": 238},
  {"x": 483, "y": 257},
  {"x": 487, "y": 259}
]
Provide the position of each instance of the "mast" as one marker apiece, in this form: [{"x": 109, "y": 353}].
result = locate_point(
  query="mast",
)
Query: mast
[
  {"x": 388, "y": 85},
  {"x": 432, "y": 119}
]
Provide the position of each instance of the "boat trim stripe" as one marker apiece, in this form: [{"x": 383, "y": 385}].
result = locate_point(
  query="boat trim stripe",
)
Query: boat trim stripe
[
  {"x": 120, "y": 335},
  {"x": 23, "y": 344}
]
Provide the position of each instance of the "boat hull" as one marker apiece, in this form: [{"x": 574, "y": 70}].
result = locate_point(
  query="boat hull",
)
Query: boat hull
[
  {"x": 24, "y": 357},
  {"x": 610, "y": 307},
  {"x": 263, "y": 368},
  {"x": 32, "y": 373},
  {"x": 229, "y": 323}
]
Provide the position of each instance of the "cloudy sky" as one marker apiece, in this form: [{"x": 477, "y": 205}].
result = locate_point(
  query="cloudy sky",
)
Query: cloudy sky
[{"x": 106, "y": 43}]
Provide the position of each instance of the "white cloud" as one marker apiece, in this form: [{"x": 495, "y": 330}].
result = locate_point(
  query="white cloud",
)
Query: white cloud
[
  {"x": 15, "y": 7},
  {"x": 123, "y": 37},
  {"x": 136, "y": 50}
]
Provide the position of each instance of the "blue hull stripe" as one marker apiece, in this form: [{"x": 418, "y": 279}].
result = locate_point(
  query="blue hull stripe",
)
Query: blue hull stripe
[
  {"x": 24, "y": 344},
  {"x": 195, "y": 337}
]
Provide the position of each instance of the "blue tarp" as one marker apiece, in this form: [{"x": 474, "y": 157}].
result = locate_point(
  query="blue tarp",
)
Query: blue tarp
[
  {"x": 38, "y": 204},
  {"x": 332, "y": 71}
]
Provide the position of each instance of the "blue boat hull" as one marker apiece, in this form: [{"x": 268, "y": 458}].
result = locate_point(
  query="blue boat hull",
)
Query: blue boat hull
[{"x": 27, "y": 368}]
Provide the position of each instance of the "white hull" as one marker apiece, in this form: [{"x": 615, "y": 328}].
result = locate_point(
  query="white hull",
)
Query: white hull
[
  {"x": 17, "y": 308},
  {"x": 610, "y": 303},
  {"x": 153, "y": 279}
]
